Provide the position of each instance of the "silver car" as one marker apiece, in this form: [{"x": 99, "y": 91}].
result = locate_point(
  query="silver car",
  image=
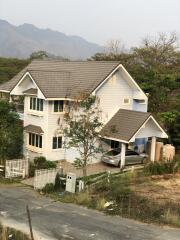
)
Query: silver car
[{"x": 113, "y": 157}]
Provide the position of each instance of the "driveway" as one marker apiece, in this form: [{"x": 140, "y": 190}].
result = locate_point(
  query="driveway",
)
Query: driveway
[{"x": 54, "y": 220}]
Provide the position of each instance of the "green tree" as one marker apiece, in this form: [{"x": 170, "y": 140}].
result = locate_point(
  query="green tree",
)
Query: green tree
[
  {"x": 11, "y": 132},
  {"x": 82, "y": 129},
  {"x": 9, "y": 67},
  {"x": 39, "y": 55},
  {"x": 171, "y": 121}
]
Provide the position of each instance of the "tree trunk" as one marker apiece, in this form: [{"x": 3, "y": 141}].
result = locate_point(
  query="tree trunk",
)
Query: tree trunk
[{"x": 84, "y": 171}]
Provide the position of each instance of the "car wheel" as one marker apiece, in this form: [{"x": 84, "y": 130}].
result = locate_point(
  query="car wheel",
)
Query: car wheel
[{"x": 143, "y": 160}]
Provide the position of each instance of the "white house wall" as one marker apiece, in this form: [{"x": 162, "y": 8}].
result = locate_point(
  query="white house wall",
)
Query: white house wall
[
  {"x": 142, "y": 107},
  {"x": 150, "y": 129},
  {"x": 112, "y": 94},
  {"x": 26, "y": 84},
  {"x": 38, "y": 120},
  {"x": 54, "y": 128}
]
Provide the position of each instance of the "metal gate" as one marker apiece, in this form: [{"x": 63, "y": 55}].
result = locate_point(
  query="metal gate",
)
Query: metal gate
[{"x": 16, "y": 168}]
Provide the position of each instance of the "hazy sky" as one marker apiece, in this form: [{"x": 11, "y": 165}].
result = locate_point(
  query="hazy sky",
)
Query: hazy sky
[{"x": 97, "y": 20}]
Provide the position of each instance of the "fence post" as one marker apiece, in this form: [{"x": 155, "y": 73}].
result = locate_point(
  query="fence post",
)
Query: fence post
[{"x": 29, "y": 220}]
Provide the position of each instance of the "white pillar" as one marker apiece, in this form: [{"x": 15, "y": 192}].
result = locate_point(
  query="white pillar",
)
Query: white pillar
[
  {"x": 123, "y": 151},
  {"x": 153, "y": 149},
  {"x": 10, "y": 99}
]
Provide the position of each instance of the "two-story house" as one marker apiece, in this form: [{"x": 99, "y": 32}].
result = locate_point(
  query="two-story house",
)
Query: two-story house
[{"x": 48, "y": 85}]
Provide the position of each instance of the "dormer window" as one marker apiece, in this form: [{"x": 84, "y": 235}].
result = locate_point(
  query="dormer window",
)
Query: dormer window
[
  {"x": 58, "y": 106},
  {"x": 36, "y": 104}
]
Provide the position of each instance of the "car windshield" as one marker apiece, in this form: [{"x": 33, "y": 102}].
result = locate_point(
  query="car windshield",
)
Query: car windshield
[{"x": 113, "y": 152}]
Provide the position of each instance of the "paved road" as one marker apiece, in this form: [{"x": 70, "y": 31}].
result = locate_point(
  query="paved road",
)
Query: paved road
[{"x": 54, "y": 220}]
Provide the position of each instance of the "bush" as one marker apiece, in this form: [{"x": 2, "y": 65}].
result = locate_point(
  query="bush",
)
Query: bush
[
  {"x": 49, "y": 164},
  {"x": 40, "y": 163},
  {"x": 158, "y": 168},
  {"x": 32, "y": 169},
  {"x": 59, "y": 184},
  {"x": 49, "y": 188}
]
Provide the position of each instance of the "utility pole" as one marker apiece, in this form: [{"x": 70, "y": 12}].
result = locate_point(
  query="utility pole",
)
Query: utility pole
[{"x": 29, "y": 220}]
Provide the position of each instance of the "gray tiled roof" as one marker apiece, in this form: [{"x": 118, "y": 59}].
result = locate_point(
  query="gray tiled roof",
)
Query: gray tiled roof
[
  {"x": 31, "y": 91},
  {"x": 59, "y": 79},
  {"x": 124, "y": 124},
  {"x": 33, "y": 129}
]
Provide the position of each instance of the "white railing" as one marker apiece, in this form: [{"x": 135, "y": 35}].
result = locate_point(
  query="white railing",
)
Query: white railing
[
  {"x": 44, "y": 176},
  {"x": 16, "y": 168}
]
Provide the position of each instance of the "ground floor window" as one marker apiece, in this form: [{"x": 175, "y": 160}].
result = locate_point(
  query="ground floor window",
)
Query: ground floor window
[
  {"x": 57, "y": 142},
  {"x": 114, "y": 144},
  {"x": 35, "y": 140}
]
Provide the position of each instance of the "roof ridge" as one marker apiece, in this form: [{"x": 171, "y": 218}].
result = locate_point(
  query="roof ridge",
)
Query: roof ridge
[
  {"x": 38, "y": 70},
  {"x": 74, "y": 61},
  {"x": 131, "y": 110}
]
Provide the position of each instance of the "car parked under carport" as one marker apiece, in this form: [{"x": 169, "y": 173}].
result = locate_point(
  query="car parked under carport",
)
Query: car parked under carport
[{"x": 113, "y": 157}]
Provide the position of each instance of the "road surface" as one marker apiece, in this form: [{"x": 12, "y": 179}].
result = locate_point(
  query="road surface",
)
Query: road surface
[{"x": 54, "y": 220}]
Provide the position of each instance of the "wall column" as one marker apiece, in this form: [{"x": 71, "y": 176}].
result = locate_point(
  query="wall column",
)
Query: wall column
[
  {"x": 123, "y": 151},
  {"x": 153, "y": 149}
]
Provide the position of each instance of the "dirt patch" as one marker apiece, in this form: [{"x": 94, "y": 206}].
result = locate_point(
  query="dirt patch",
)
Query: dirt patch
[
  {"x": 160, "y": 188},
  {"x": 91, "y": 168}
]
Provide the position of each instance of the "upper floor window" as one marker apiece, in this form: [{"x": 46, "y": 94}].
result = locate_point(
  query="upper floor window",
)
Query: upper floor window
[
  {"x": 57, "y": 142},
  {"x": 35, "y": 140},
  {"x": 126, "y": 101},
  {"x": 36, "y": 104},
  {"x": 58, "y": 106}
]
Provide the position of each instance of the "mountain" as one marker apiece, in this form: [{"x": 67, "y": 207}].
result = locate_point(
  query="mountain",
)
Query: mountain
[{"x": 21, "y": 41}]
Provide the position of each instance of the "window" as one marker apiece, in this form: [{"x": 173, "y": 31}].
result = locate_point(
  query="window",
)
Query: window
[
  {"x": 131, "y": 153},
  {"x": 114, "y": 144},
  {"x": 35, "y": 140},
  {"x": 113, "y": 152},
  {"x": 57, "y": 142},
  {"x": 126, "y": 101},
  {"x": 36, "y": 104},
  {"x": 59, "y": 106}
]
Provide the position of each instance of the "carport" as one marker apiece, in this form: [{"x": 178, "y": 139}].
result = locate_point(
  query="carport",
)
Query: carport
[{"x": 127, "y": 125}]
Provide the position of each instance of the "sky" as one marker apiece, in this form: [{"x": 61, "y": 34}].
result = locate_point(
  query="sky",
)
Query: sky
[{"x": 98, "y": 21}]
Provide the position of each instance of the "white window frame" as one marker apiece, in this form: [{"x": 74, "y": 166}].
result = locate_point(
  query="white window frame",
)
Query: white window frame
[
  {"x": 37, "y": 102},
  {"x": 57, "y": 143},
  {"x": 38, "y": 141},
  {"x": 58, "y": 106}
]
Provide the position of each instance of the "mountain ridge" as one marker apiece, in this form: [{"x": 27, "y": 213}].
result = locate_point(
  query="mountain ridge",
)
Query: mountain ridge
[{"x": 20, "y": 41}]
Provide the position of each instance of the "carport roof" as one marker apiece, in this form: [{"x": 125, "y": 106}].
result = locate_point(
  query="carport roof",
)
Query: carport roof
[{"x": 124, "y": 124}]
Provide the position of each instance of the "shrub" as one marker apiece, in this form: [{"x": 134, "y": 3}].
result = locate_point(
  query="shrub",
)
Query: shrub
[
  {"x": 59, "y": 184},
  {"x": 49, "y": 188},
  {"x": 39, "y": 162},
  {"x": 32, "y": 169},
  {"x": 158, "y": 168},
  {"x": 49, "y": 164}
]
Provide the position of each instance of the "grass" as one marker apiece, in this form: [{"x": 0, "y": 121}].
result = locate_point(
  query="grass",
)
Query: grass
[
  {"x": 9, "y": 181},
  {"x": 125, "y": 198}
]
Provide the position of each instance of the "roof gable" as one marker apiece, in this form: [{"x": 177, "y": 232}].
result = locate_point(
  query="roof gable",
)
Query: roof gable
[{"x": 124, "y": 124}]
